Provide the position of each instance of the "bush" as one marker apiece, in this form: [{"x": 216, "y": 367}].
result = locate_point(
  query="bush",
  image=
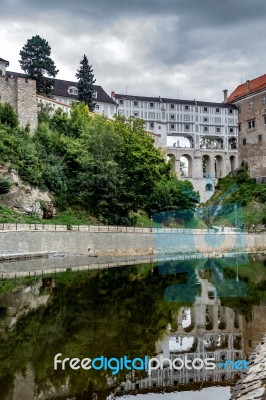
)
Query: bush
[
  {"x": 8, "y": 115},
  {"x": 4, "y": 186}
]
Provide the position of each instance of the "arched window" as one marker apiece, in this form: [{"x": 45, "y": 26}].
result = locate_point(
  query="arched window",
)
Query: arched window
[{"x": 209, "y": 187}]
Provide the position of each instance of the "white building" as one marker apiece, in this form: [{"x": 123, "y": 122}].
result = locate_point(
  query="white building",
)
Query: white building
[
  {"x": 66, "y": 92},
  {"x": 3, "y": 65},
  {"x": 200, "y": 137}
]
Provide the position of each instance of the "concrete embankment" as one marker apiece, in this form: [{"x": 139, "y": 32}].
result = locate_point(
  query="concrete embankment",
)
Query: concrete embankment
[
  {"x": 14, "y": 244},
  {"x": 252, "y": 384}
]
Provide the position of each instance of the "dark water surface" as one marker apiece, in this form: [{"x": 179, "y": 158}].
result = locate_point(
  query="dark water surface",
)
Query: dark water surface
[{"x": 176, "y": 309}]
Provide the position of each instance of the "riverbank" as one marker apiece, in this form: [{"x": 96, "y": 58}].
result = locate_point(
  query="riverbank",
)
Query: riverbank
[
  {"x": 252, "y": 384},
  {"x": 119, "y": 241}
]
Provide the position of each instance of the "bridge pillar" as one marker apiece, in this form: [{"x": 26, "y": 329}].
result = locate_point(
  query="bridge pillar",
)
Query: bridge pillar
[{"x": 197, "y": 165}]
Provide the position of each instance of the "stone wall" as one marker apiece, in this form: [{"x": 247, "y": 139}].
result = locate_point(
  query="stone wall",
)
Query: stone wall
[
  {"x": 21, "y": 94},
  {"x": 130, "y": 243}
]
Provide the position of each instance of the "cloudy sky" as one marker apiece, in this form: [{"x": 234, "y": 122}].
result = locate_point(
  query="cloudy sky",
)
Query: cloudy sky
[{"x": 173, "y": 48}]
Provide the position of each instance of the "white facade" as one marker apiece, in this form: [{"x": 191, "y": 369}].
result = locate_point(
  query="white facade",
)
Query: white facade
[{"x": 200, "y": 135}]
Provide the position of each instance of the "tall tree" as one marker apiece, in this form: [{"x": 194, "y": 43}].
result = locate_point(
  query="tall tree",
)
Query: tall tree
[
  {"x": 85, "y": 83},
  {"x": 36, "y": 62}
]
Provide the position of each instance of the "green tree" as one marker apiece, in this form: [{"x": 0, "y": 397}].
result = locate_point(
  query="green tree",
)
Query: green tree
[
  {"x": 85, "y": 83},
  {"x": 8, "y": 115},
  {"x": 36, "y": 62}
]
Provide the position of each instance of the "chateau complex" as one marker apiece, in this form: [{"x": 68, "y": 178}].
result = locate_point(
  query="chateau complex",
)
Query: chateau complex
[
  {"x": 205, "y": 140},
  {"x": 200, "y": 135}
]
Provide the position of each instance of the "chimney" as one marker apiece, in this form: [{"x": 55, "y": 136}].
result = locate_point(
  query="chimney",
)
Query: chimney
[
  {"x": 248, "y": 86},
  {"x": 225, "y": 95},
  {"x": 113, "y": 95}
]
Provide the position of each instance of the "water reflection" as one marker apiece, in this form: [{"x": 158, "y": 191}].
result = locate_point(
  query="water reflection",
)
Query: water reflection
[{"x": 180, "y": 308}]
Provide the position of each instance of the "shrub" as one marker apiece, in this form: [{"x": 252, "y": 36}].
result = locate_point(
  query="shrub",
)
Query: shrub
[
  {"x": 4, "y": 186},
  {"x": 8, "y": 115}
]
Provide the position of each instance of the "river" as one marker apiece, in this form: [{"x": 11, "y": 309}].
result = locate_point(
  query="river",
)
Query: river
[{"x": 185, "y": 311}]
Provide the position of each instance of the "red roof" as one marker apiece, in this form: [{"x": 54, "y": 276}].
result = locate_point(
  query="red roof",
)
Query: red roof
[{"x": 248, "y": 87}]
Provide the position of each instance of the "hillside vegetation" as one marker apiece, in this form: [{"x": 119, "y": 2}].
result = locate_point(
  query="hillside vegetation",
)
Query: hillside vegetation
[
  {"x": 107, "y": 169},
  {"x": 237, "y": 200}
]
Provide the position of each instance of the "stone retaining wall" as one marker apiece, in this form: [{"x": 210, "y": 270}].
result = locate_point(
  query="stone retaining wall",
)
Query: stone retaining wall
[
  {"x": 252, "y": 384},
  {"x": 128, "y": 243}
]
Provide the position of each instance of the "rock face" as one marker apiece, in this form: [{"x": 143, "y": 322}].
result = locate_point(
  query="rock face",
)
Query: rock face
[
  {"x": 252, "y": 384},
  {"x": 24, "y": 198}
]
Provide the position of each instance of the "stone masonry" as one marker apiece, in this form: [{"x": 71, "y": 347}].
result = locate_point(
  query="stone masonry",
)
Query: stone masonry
[
  {"x": 21, "y": 94},
  {"x": 252, "y": 386}
]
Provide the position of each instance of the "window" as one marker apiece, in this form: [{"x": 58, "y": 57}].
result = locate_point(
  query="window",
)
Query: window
[
  {"x": 172, "y": 127},
  {"x": 121, "y": 101},
  {"x": 217, "y": 110},
  {"x": 205, "y": 129},
  {"x": 263, "y": 100},
  {"x": 151, "y": 125},
  {"x": 231, "y": 130},
  {"x": 205, "y": 119},
  {"x": 151, "y": 105},
  {"x": 251, "y": 124},
  {"x": 172, "y": 116},
  {"x": 136, "y": 114},
  {"x": 218, "y": 130},
  {"x": 239, "y": 127},
  {"x": 186, "y": 108},
  {"x": 231, "y": 111},
  {"x": 186, "y": 117},
  {"x": 259, "y": 138},
  {"x": 217, "y": 120},
  {"x": 159, "y": 127},
  {"x": 151, "y": 115},
  {"x": 205, "y": 109},
  {"x": 97, "y": 107},
  {"x": 187, "y": 127},
  {"x": 244, "y": 142},
  {"x": 136, "y": 103},
  {"x": 250, "y": 105},
  {"x": 172, "y": 106},
  {"x": 73, "y": 90},
  {"x": 95, "y": 94}
]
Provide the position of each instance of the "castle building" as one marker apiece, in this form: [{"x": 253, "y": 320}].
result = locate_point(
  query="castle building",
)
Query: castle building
[
  {"x": 3, "y": 65},
  {"x": 66, "y": 92},
  {"x": 200, "y": 137},
  {"x": 20, "y": 92},
  {"x": 250, "y": 99}
]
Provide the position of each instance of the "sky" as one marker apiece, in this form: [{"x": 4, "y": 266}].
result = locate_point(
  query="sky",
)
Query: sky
[{"x": 180, "y": 49}]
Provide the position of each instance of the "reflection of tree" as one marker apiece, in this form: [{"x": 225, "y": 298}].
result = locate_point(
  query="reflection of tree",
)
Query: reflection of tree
[{"x": 112, "y": 312}]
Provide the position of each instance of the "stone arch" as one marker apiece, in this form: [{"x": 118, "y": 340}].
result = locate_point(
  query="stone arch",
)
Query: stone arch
[
  {"x": 206, "y": 166},
  {"x": 218, "y": 165},
  {"x": 186, "y": 172},
  {"x": 209, "y": 187},
  {"x": 232, "y": 163}
]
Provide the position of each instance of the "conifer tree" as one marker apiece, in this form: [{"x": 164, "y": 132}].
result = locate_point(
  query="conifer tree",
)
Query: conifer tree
[
  {"x": 85, "y": 83},
  {"x": 36, "y": 62}
]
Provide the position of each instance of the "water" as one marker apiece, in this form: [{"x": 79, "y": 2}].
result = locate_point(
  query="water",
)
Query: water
[{"x": 175, "y": 309}]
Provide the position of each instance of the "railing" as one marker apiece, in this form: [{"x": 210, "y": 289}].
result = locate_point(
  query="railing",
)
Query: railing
[{"x": 111, "y": 228}]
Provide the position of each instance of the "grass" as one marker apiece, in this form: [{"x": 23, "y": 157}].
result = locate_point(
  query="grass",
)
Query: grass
[{"x": 253, "y": 213}]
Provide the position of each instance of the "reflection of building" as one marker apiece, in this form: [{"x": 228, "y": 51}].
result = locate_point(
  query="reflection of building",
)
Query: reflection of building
[
  {"x": 250, "y": 98},
  {"x": 207, "y": 329},
  {"x": 205, "y": 133}
]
